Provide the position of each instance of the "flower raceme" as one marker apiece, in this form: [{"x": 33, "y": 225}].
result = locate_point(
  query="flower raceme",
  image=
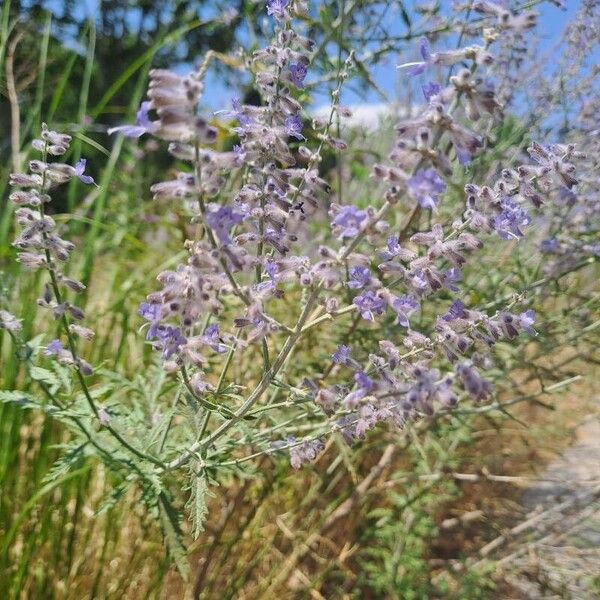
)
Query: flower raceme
[{"x": 258, "y": 205}]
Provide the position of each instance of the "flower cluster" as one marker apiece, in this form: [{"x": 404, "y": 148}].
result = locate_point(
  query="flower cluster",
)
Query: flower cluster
[
  {"x": 254, "y": 256},
  {"x": 40, "y": 245}
]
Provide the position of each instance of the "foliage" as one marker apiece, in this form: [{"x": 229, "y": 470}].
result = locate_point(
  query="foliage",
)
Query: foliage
[{"x": 414, "y": 317}]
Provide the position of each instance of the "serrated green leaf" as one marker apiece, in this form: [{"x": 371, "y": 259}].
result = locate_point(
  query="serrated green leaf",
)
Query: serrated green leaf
[
  {"x": 72, "y": 453},
  {"x": 64, "y": 375},
  {"x": 21, "y": 398},
  {"x": 44, "y": 375},
  {"x": 113, "y": 498},
  {"x": 196, "y": 505},
  {"x": 173, "y": 535}
]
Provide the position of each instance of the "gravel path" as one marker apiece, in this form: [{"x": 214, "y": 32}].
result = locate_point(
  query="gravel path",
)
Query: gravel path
[{"x": 559, "y": 556}]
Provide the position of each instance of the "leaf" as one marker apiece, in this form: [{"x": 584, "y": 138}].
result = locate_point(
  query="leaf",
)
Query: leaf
[
  {"x": 21, "y": 398},
  {"x": 113, "y": 498},
  {"x": 196, "y": 505},
  {"x": 44, "y": 375},
  {"x": 173, "y": 535},
  {"x": 73, "y": 452},
  {"x": 64, "y": 374}
]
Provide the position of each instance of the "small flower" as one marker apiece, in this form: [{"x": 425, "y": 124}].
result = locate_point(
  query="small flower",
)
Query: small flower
[
  {"x": 222, "y": 221},
  {"x": 169, "y": 340},
  {"x": 103, "y": 416},
  {"x": 143, "y": 124},
  {"x": 360, "y": 277},
  {"x": 430, "y": 90},
  {"x": 9, "y": 322},
  {"x": 404, "y": 306},
  {"x": 364, "y": 382},
  {"x": 425, "y": 186},
  {"x": 272, "y": 270},
  {"x": 277, "y": 8},
  {"x": 349, "y": 219},
  {"x": 477, "y": 387},
  {"x": 394, "y": 249},
  {"x": 152, "y": 313},
  {"x": 199, "y": 385},
  {"x": 298, "y": 72},
  {"x": 526, "y": 320},
  {"x": 212, "y": 338},
  {"x": 417, "y": 68},
  {"x": 306, "y": 452},
  {"x": 54, "y": 348},
  {"x": 456, "y": 311},
  {"x": 80, "y": 170},
  {"x": 293, "y": 127},
  {"x": 369, "y": 304},
  {"x": 451, "y": 277},
  {"x": 464, "y": 156},
  {"x": 550, "y": 246},
  {"x": 341, "y": 355},
  {"x": 509, "y": 222}
]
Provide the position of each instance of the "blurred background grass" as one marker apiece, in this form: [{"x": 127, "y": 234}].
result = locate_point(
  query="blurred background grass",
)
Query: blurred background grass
[{"x": 371, "y": 523}]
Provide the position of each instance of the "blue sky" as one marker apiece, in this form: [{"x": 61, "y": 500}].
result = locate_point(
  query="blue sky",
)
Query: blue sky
[
  {"x": 550, "y": 27},
  {"x": 551, "y": 23}
]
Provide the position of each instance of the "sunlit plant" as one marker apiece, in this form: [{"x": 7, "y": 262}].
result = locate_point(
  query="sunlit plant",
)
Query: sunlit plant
[{"x": 277, "y": 256}]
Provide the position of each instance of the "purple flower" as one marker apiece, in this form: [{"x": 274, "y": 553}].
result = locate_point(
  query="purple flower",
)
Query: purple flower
[
  {"x": 430, "y": 90},
  {"x": 143, "y": 124},
  {"x": 240, "y": 153},
  {"x": 550, "y": 246},
  {"x": 363, "y": 381},
  {"x": 349, "y": 219},
  {"x": 393, "y": 244},
  {"x": 417, "y": 68},
  {"x": 394, "y": 249},
  {"x": 276, "y": 8},
  {"x": 305, "y": 452},
  {"x": 526, "y": 320},
  {"x": 464, "y": 156},
  {"x": 152, "y": 313},
  {"x": 352, "y": 399},
  {"x": 425, "y": 186},
  {"x": 360, "y": 277},
  {"x": 451, "y": 277},
  {"x": 298, "y": 73},
  {"x": 509, "y": 222},
  {"x": 221, "y": 221},
  {"x": 236, "y": 113},
  {"x": 103, "y": 416},
  {"x": 456, "y": 311},
  {"x": 53, "y": 348},
  {"x": 80, "y": 170},
  {"x": 272, "y": 270},
  {"x": 418, "y": 280},
  {"x": 212, "y": 338},
  {"x": 369, "y": 304},
  {"x": 169, "y": 340},
  {"x": 566, "y": 196},
  {"x": 477, "y": 387},
  {"x": 293, "y": 127},
  {"x": 9, "y": 322},
  {"x": 404, "y": 306},
  {"x": 341, "y": 355}
]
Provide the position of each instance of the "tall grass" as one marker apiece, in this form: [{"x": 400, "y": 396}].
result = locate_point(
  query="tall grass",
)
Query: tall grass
[{"x": 45, "y": 526}]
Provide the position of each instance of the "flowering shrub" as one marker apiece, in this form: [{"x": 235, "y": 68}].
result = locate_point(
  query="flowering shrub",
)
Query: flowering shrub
[{"x": 276, "y": 259}]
